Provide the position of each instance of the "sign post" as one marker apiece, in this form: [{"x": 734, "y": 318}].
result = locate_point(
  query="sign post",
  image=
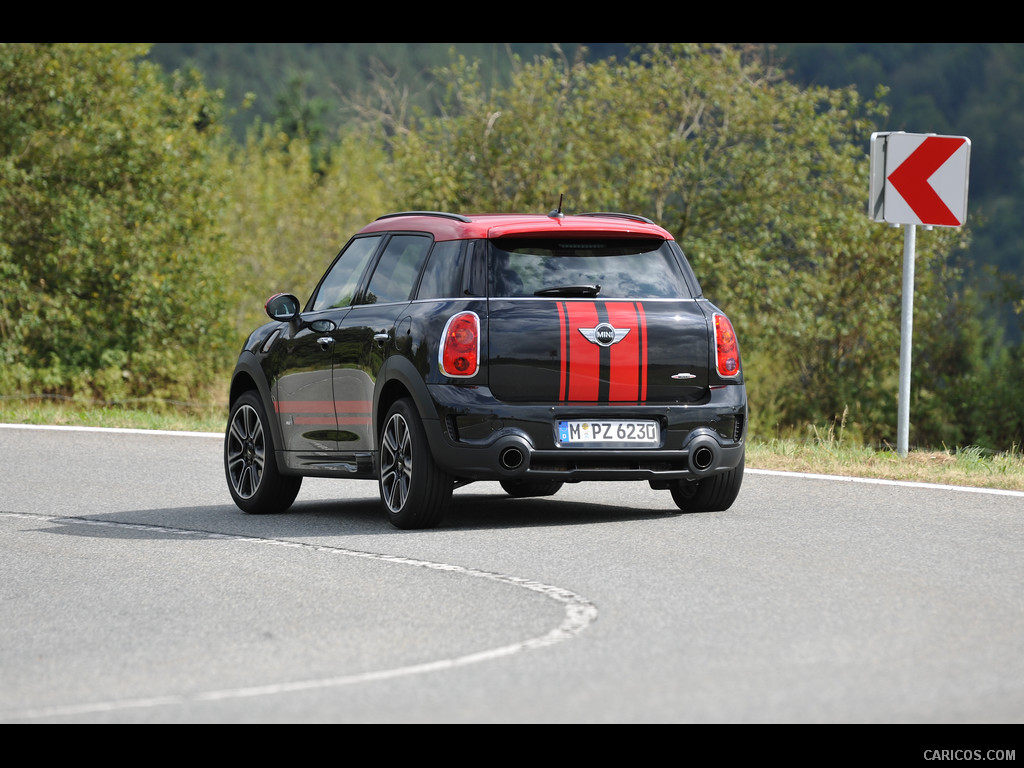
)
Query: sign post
[{"x": 916, "y": 179}]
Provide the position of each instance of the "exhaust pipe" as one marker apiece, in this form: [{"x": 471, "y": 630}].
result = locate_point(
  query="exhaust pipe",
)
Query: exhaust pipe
[
  {"x": 513, "y": 455},
  {"x": 705, "y": 454},
  {"x": 511, "y": 458},
  {"x": 703, "y": 458}
]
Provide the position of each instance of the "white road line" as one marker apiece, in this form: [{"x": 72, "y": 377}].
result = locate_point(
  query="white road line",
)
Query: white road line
[
  {"x": 779, "y": 473},
  {"x": 880, "y": 481},
  {"x": 579, "y": 614},
  {"x": 118, "y": 430}
]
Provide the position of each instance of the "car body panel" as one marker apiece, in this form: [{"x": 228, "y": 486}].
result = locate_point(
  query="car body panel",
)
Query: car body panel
[{"x": 543, "y": 350}]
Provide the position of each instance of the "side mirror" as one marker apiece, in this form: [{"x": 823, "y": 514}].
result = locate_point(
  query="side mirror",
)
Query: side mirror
[{"x": 283, "y": 306}]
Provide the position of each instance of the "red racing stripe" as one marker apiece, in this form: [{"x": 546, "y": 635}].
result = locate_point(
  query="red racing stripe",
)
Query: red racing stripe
[
  {"x": 584, "y": 358},
  {"x": 628, "y": 356},
  {"x": 581, "y": 370},
  {"x": 642, "y": 323},
  {"x": 563, "y": 330}
]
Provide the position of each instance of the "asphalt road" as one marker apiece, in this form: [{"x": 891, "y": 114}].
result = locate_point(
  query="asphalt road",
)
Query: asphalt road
[{"x": 133, "y": 591}]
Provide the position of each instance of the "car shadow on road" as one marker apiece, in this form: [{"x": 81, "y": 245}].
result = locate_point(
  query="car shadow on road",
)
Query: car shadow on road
[
  {"x": 354, "y": 517},
  {"x": 474, "y": 511},
  {"x": 480, "y": 510}
]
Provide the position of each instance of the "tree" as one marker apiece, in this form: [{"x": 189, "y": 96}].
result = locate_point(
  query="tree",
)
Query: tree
[
  {"x": 288, "y": 219},
  {"x": 108, "y": 224}
]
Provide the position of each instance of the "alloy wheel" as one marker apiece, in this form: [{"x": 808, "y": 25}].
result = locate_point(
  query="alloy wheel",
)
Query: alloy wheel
[
  {"x": 246, "y": 452},
  {"x": 396, "y": 463}
]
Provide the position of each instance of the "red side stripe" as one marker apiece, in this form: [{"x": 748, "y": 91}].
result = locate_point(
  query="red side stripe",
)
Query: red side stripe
[
  {"x": 326, "y": 412},
  {"x": 304, "y": 406},
  {"x": 322, "y": 406}
]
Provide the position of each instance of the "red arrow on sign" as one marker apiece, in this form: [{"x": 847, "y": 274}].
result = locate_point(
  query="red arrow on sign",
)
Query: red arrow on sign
[{"x": 911, "y": 179}]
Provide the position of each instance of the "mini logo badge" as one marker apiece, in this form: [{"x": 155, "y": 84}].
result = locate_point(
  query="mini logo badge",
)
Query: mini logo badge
[{"x": 604, "y": 334}]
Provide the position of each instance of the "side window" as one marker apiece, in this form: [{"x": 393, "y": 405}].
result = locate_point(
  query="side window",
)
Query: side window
[
  {"x": 396, "y": 272},
  {"x": 442, "y": 279},
  {"x": 340, "y": 282}
]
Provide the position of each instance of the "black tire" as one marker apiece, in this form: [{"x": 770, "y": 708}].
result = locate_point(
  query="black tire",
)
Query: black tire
[
  {"x": 522, "y": 489},
  {"x": 415, "y": 491},
  {"x": 715, "y": 493},
  {"x": 255, "y": 483}
]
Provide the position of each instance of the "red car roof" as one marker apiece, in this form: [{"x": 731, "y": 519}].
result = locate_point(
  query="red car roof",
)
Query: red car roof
[{"x": 448, "y": 226}]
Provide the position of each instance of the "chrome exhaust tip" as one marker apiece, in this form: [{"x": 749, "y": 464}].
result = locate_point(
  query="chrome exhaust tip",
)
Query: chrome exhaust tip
[
  {"x": 511, "y": 459},
  {"x": 512, "y": 454},
  {"x": 702, "y": 458},
  {"x": 705, "y": 454}
]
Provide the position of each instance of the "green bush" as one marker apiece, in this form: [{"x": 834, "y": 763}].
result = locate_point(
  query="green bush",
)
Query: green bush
[{"x": 109, "y": 224}]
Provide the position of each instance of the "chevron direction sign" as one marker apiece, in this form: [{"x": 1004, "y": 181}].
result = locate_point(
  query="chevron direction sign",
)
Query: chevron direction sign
[{"x": 919, "y": 178}]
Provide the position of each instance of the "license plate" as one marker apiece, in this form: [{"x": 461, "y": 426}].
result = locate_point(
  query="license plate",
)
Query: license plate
[{"x": 609, "y": 432}]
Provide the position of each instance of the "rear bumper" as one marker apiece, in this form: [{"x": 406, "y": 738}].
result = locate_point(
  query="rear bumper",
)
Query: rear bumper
[{"x": 475, "y": 437}]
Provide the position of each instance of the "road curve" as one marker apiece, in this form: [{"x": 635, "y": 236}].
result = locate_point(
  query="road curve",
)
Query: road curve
[{"x": 134, "y": 591}]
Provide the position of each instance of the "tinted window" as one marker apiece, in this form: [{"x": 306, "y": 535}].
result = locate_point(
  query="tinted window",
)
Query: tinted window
[
  {"x": 340, "y": 283},
  {"x": 396, "y": 272},
  {"x": 442, "y": 278},
  {"x": 626, "y": 269}
]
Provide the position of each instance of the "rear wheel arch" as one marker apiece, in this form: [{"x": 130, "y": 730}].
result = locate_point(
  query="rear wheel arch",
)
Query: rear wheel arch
[
  {"x": 390, "y": 393},
  {"x": 398, "y": 378}
]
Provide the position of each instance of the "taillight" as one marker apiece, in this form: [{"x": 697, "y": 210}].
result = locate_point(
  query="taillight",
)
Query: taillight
[
  {"x": 728, "y": 351},
  {"x": 460, "y": 345}
]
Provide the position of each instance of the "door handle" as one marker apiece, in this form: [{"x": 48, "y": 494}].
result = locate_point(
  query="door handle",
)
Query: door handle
[
  {"x": 325, "y": 342},
  {"x": 381, "y": 337}
]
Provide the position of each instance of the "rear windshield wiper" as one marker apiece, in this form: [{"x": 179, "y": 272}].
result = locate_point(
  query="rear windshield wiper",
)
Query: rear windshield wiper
[{"x": 569, "y": 290}]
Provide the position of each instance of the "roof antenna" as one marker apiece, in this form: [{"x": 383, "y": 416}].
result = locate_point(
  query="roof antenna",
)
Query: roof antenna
[{"x": 557, "y": 213}]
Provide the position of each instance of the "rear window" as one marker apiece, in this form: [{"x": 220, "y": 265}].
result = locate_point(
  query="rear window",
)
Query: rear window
[{"x": 601, "y": 268}]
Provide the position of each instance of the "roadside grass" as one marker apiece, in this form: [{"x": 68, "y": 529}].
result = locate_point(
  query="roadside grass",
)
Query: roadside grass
[
  {"x": 969, "y": 466},
  {"x": 824, "y": 452},
  {"x": 829, "y": 452}
]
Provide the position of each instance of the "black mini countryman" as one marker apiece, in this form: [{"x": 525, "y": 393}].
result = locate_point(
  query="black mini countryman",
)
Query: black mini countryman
[{"x": 533, "y": 350}]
